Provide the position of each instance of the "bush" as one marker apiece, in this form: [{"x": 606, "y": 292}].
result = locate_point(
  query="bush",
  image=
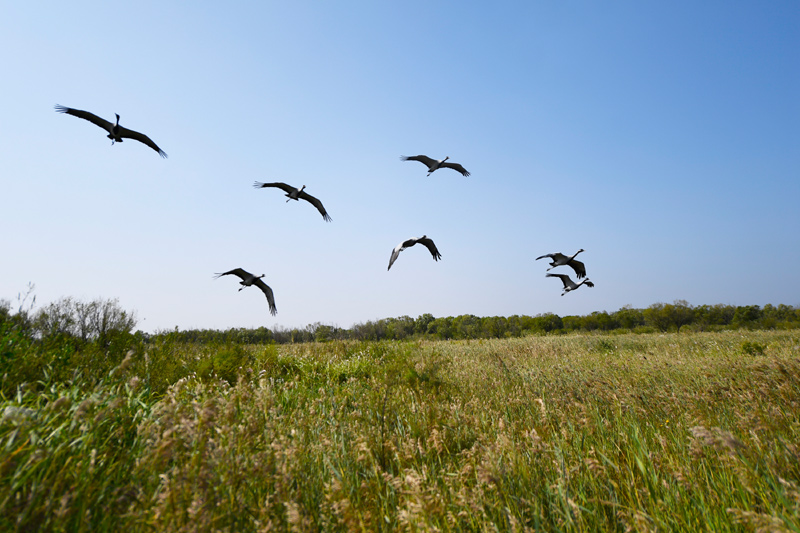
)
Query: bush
[
  {"x": 225, "y": 363},
  {"x": 753, "y": 348}
]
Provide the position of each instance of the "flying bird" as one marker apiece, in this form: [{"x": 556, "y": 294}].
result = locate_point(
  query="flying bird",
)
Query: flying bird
[
  {"x": 115, "y": 132},
  {"x": 411, "y": 242},
  {"x": 249, "y": 279},
  {"x": 434, "y": 164},
  {"x": 561, "y": 259},
  {"x": 570, "y": 285},
  {"x": 295, "y": 194}
]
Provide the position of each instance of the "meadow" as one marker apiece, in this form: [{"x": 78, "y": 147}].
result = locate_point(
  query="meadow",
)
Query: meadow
[{"x": 581, "y": 432}]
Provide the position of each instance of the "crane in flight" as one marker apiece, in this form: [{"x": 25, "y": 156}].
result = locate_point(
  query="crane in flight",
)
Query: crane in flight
[
  {"x": 570, "y": 285},
  {"x": 435, "y": 164},
  {"x": 293, "y": 193},
  {"x": 249, "y": 279},
  {"x": 561, "y": 259},
  {"x": 424, "y": 240},
  {"x": 115, "y": 132}
]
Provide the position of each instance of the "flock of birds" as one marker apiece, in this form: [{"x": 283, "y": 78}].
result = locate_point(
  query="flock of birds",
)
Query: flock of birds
[
  {"x": 577, "y": 266},
  {"x": 117, "y": 133}
]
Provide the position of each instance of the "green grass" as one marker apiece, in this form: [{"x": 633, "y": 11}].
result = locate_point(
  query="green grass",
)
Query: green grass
[{"x": 669, "y": 432}]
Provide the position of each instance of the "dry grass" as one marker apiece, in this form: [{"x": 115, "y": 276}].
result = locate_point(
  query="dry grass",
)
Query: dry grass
[{"x": 671, "y": 432}]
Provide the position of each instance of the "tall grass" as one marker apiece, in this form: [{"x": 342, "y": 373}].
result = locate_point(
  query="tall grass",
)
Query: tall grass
[{"x": 674, "y": 432}]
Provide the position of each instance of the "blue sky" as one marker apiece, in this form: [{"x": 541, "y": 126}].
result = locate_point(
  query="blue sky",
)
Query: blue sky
[{"x": 663, "y": 138}]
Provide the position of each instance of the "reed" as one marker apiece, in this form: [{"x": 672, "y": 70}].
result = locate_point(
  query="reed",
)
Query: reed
[{"x": 653, "y": 432}]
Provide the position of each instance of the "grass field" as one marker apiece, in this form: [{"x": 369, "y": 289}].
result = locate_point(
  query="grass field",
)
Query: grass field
[{"x": 670, "y": 432}]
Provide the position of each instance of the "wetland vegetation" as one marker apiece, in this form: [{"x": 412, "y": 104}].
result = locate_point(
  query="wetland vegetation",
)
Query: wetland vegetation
[{"x": 584, "y": 431}]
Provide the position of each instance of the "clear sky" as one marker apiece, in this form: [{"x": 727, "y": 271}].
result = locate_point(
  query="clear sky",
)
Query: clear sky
[{"x": 661, "y": 137}]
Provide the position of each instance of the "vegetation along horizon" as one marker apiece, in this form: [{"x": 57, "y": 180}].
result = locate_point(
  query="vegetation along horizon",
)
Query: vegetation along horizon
[{"x": 671, "y": 418}]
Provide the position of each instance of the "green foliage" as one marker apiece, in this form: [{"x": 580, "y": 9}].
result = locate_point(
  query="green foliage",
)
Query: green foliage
[
  {"x": 226, "y": 362},
  {"x": 102, "y": 429},
  {"x": 670, "y": 432},
  {"x": 61, "y": 341},
  {"x": 753, "y": 348},
  {"x": 69, "y": 454},
  {"x": 604, "y": 345},
  {"x": 678, "y": 316},
  {"x": 669, "y": 317}
]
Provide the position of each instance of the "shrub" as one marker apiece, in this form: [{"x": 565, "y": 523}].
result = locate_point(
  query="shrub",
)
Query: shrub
[
  {"x": 753, "y": 348},
  {"x": 225, "y": 363}
]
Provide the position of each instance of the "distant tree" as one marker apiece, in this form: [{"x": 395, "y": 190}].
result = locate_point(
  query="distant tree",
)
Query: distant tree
[
  {"x": 493, "y": 327},
  {"x": 627, "y": 317},
  {"x": 746, "y": 316},
  {"x": 399, "y": 328},
  {"x": 441, "y": 327},
  {"x": 466, "y": 327},
  {"x": 421, "y": 324},
  {"x": 669, "y": 316},
  {"x": 572, "y": 323},
  {"x": 713, "y": 315},
  {"x": 323, "y": 333},
  {"x": 544, "y": 323},
  {"x": 56, "y": 319}
]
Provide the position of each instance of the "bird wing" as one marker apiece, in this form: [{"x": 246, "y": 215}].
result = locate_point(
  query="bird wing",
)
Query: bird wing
[
  {"x": 408, "y": 243},
  {"x": 564, "y": 279},
  {"x": 142, "y": 138},
  {"x": 431, "y": 247},
  {"x": 316, "y": 203},
  {"x": 395, "y": 254},
  {"x": 85, "y": 115},
  {"x": 424, "y": 159},
  {"x": 545, "y": 255},
  {"x": 285, "y": 186},
  {"x": 268, "y": 293},
  {"x": 242, "y": 273},
  {"x": 579, "y": 268},
  {"x": 456, "y": 166}
]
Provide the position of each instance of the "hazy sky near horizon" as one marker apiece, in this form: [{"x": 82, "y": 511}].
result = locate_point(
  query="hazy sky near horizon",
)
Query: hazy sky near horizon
[{"x": 663, "y": 138}]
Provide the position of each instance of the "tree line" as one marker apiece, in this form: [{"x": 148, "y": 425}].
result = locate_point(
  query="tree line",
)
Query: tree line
[
  {"x": 69, "y": 338},
  {"x": 659, "y": 317},
  {"x": 103, "y": 321}
]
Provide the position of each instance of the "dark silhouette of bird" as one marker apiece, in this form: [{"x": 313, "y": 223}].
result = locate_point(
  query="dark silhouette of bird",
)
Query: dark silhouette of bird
[
  {"x": 249, "y": 279},
  {"x": 561, "y": 259},
  {"x": 435, "y": 164},
  {"x": 570, "y": 285},
  {"x": 115, "y": 132},
  {"x": 296, "y": 194},
  {"x": 424, "y": 240}
]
